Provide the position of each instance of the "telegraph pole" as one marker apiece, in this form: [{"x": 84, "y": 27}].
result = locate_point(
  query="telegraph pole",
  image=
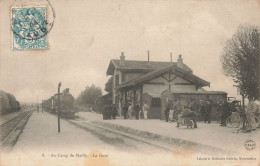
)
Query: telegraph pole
[{"x": 59, "y": 106}]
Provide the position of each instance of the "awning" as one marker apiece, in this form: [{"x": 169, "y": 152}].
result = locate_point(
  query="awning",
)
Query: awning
[
  {"x": 199, "y": 92},
  {"x": 154, "y": 95}
]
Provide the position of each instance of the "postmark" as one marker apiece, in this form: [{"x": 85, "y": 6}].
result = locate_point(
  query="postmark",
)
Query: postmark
[
  {"x": 249, "y": 144},
  {"x": 29, "y": 27}
]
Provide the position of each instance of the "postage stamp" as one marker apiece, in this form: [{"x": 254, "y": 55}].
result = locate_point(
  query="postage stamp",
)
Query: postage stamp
[{"x": 29, "y": 28}]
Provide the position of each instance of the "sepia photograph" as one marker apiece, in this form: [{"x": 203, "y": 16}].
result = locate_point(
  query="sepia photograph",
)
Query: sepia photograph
[{"x": 129, "y": 82}]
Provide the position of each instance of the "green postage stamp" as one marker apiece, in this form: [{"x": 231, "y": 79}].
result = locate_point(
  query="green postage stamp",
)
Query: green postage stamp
[{"x": 29, "y": 28}]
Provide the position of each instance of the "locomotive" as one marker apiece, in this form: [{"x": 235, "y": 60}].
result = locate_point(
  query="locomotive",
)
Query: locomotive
[{"x": 67, "y": 109}]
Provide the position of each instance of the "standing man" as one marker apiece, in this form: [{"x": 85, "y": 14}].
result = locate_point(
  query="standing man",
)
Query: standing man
[
  {"x": 167, "y": 109},
  {"x": 137, "y": 110},
  {"x": 171, "y": 113},
  {"x": 125, "y": 108},
  {"x": 106, "y": 112},
  {"x": 113, "y": 111},
  {"x": 110, "y": 111},
  {"x": 208, "y": 110},
  {"x": 145, "y": 109},
  {"x": 224, "y": 113},
  {"x": 195, "y": 107},
  {"x": 130, "y": 110},
  {"x": 178, "y": 107},
  {"x": 203, "y": 111}
]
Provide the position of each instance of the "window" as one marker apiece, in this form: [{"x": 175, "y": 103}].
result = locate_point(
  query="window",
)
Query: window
[{"x": 156, "y": 102}]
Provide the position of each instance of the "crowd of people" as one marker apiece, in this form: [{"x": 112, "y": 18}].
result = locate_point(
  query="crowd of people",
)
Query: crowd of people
[
  {"x": 133, "y": 110},
  {"x": 247, "y": 115},
  {"x": 178, "y": 109},
  {"x": 110, "y": 112},
  {"x": 130, "y": 111},
  {"x": 195, "y": 110}
]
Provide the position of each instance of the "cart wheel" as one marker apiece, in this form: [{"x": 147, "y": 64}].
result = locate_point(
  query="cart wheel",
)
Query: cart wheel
[
  {"x": 229, "y": 122},
  {"x": 190, "y": 124},
  {"x": 257, "y": 121},
  {"x": 238, "y": 123}
]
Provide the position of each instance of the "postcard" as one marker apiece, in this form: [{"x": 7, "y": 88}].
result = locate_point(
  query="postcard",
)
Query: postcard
[{"x": 127, "y": 82}]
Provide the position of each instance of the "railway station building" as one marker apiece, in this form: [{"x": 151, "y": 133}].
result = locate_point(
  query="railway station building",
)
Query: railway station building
[{"x": 155, "y": 82}]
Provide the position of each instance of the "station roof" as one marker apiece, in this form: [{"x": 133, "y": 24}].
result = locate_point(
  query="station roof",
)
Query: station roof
[
  {"x": 146, "y": 66},
  {"x": 173, "y": 67}
]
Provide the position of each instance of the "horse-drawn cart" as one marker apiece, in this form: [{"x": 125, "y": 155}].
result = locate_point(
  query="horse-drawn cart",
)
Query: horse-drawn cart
[{"x": 186, "y": 119}]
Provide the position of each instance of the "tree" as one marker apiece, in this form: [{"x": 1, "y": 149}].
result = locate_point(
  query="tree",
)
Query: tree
[
  {"x": 240, "y": 60},
  {"x": 109, "y": 85},
  {"x": 89, "y": 95}
]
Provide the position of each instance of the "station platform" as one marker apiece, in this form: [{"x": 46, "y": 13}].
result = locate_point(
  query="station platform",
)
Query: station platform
[
  {"x": 41, "y": 144},
  {"x": 211, "y": 136}
]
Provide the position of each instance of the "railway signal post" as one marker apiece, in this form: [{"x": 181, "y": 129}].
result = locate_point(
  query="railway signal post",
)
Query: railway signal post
[{"x": 59, "y": 106}]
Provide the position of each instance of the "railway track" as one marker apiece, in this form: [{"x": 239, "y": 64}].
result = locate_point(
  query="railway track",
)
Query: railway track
[
  {"x": 118, "y": 138},
  {"x": 6, "y": 121},
  {"x": 11, "y": 130}
]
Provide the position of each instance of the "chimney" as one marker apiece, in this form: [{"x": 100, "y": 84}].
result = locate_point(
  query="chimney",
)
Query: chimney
[
  {"x": 180, "y": 62},
  {"x": 171, "y": 57},
  {"x": 148, "y": 56},
  {"x": 122, "y": 59}
]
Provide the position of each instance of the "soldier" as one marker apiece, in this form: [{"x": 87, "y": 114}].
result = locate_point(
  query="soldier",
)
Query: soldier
[
  {"x": 113, "y": 111},
  {"x": 224, "y": 113},
  {"x": 178, "y": 107},
  {"x": 109, "y": 114},
  {"x": 203, "y": 111},
  {"x": 125, "y": 108},
  {"x": 195, "y": 108},
  {"x": 208, "y": 110},
  {"x": 137, "y": 110}
]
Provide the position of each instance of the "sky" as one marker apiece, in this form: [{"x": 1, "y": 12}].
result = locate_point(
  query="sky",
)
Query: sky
[{"x": 88, "y": 33}]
